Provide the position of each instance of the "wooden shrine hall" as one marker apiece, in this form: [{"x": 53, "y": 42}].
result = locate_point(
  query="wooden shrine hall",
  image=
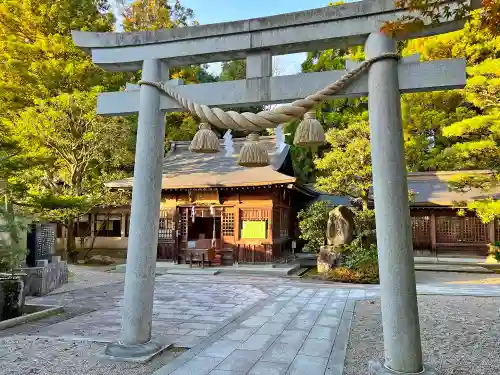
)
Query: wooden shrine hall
[
  {"x": 216, "y": 211},
  {"x": 438, "y": 229}
]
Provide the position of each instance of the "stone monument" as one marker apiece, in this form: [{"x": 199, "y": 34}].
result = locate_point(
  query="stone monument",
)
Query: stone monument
[
  {"x": 339, "y": 231},
  {"x": 340, "y": 228}
]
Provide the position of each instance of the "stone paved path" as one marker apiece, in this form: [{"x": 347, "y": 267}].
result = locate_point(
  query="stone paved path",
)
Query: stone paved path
[
  {"x": 234, "y": 325},
  {"x": 299, "y": 330},
  {"x": 183, "y": 312},
  {"x": 81, "y": 277}
]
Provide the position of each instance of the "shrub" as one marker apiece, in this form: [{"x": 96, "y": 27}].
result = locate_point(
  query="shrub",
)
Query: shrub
[
  {"x": 12, "y": 254},
  {"x": 364, "y": 220},
  {"x": 312, "y": 224},
  {"x": 357, "y": 257},
  {"x": 365, "y": 227},
  {"x": 360, "y": 257},
  {"x": 494, "y": 249},
  {"x": 365, "y": 275}
]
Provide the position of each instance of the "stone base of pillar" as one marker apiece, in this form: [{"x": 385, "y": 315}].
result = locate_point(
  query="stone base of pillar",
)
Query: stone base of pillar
[
  {"x": 378, "y": 368},
  {"x": 140, "y": 353}
]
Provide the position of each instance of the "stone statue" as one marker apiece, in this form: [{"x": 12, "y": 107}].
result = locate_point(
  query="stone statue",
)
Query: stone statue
[
  {"x": 339, "y": 231},
  {"x": 340, "y": 227}
]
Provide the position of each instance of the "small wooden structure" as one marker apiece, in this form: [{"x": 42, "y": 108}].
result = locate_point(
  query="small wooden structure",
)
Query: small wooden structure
[
  {"x": 215, "y": 211},
  {"x": 437, "y": 227}
]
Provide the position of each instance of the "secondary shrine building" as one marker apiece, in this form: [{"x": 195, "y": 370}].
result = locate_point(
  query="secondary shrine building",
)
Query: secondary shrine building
[
  {"x": 238, "y": 214},
  {"x": 437, "y": 227},
  {"x": 232, "y": 213}
]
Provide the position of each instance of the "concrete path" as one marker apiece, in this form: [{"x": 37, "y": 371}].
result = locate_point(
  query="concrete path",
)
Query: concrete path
[{"x": 233, "y": 325}]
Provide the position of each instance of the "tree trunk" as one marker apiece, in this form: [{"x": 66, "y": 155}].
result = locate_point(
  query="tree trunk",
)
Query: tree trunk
[
  {"x": 91, "y": 246},
  {"x": 71, "y": 251},
  {"x": 92, "y": 242},
  {"x": 13, "y": 230},
  {"x": 364, "y": 199}
]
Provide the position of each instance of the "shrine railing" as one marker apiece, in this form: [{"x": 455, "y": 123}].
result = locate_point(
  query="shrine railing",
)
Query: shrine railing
[{"x": 263, "y": 253}]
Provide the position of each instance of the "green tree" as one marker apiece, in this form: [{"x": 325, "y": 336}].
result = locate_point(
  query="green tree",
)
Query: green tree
[
  {"x": 39, "y": 59},
  {"x": 335, "y": 115},
  {"x": 141, "y": 15},
  {"x": 81, "y": 151},
  {"x": 41, "y": 74},
  {"x": 11, "y": 163},
  {"x": 233, "y": 70},
  {"x": 427, "y": 115},
  {"x": 312, "y": 224},
  {"x": 489, "y": 15},
  {"x": 156, "y": 14},
  {"x": 346, "y": 168},
  {"x": 459, "y": 130},
  {"x": 12, "y": 251}
]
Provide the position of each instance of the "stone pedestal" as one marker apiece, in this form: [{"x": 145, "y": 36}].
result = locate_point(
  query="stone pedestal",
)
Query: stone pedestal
[
  {"x": 328, "y": 258},
  {"x": 45, "y": 277},
  {"x": 140, "y": 353},
  {"x": 378, "y": 368}
]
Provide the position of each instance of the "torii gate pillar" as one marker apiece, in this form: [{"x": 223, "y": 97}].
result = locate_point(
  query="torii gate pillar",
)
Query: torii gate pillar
[
  {"x": 403, "y": 352},
  {"x": 135, "y": 339}
]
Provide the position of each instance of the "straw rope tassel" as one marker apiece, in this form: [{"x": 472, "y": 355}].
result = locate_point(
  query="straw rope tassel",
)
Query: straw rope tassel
[
  {"x": 253, "y": 153},
  {"x": 205, "y": 140},
  {"x": 310, "y": 132}
]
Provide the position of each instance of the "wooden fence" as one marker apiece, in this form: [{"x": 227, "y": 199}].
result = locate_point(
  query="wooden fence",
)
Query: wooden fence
[{"x": 446, "y": 232}]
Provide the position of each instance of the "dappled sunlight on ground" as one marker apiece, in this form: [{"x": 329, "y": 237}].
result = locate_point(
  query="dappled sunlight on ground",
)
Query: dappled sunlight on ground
[
  {"x": 457, "y": 278},
  {"x": 484, "y": 281}
]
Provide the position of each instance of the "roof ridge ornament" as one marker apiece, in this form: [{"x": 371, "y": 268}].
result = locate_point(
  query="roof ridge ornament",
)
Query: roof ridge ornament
[
  {"x": 280, "y": 138},
  {"x": 228, "y": 143}
]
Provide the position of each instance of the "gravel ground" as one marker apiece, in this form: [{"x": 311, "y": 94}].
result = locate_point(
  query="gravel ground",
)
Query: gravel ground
[
  {"x": 23, "y": 355},
  {"x": 460, "y": 335}
]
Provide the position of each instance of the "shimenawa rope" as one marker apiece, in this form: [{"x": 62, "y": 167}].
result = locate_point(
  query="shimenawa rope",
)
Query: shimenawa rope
[{"x": 266, "y": 119}]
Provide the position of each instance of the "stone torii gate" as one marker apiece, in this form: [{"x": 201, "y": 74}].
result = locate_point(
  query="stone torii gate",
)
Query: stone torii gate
[{"x": 257, "y": 40}]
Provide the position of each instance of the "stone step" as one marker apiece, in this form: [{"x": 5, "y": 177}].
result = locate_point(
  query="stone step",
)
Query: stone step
[
  {"x": 191, "y": 271},
  {"x": 269, "y": 270},
  {"x": 299, "y": 272},
  {"x": 451, "y": 268}
]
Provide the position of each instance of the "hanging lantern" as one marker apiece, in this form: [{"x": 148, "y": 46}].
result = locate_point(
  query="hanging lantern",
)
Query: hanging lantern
[
  {"x": 205, "y": 140},
  {"x": 252, "y": 153},
  {"x": 309, "y": 133}
]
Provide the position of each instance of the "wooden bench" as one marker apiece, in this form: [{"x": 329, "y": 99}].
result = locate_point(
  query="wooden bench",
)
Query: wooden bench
[{"x": 200, "y": 255}]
